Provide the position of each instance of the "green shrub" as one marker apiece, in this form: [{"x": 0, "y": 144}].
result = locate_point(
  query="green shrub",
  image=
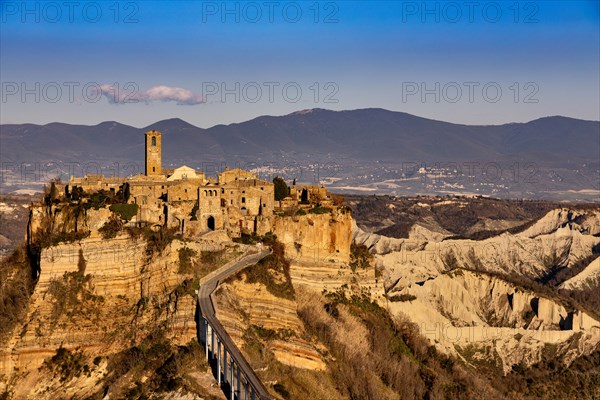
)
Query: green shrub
[
  {"x": 402, "y": 297},
  {"x": 359, "y": 256},
  {"x": 279, "y": 388},
  {"x": 111, "y": 228},
  {"x": 320, "y": 210},
  {"x": 187, "y": 287},
  {"x": 281, "y": 188},
  {"x": 125, "y": 211},
  {"x": 164, "y": 366},
  {"x": 265, "y": 333},
  {"x": 208, "y": 257},
  {"x": 73, "y": 295},
  {"x": 268, "y": 238},
  {"x": 193, "y": 212},
  {"x": 247, "y": 239},
  {"x": 98, "y": 200},
  {"x": 185, "y": 260},
  {"x": 157, "y": 241},
  {"x": 67, "y": 364},
  {"x": 449, "y": 260},
  {"x": 16, "y": 287},
  {"x": 64, "y": 237}
]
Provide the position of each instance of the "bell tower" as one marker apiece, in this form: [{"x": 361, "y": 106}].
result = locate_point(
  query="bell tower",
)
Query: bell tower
[{"x": 153, "y": 153}]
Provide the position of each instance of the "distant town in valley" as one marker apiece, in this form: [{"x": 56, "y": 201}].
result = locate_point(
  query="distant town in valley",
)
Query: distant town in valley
[{"x": 505, "y": 161}]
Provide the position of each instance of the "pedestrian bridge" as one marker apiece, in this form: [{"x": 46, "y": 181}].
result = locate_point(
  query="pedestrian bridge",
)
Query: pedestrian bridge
[{"x": 233, "y": 373}]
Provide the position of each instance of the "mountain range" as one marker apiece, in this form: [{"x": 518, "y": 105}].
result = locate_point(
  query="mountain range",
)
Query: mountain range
[{"x": 363, "y": 134}]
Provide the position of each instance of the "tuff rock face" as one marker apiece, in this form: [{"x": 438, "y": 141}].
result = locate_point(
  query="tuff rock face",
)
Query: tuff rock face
[
  {"x": 457, "y": 291},
  {"x": 459, "y": 294},
  {"x": 242, "y": 305},
  {"x": 99, "y": 296},
  {"x": 317, "y": 248},
  {"x": 590, "y": 274},
  {"x": 316, "y": 237}
]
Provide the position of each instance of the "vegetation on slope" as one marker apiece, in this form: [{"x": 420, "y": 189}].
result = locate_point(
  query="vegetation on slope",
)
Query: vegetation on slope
[
  {"x": 273, "y": 271},
  {"x": 376, "y": 357},
  {"x": 360, "y": 257},
  {"x": 154, "y": 366},
  {"x": 287, "y": 382},
  {"x": 16, "y": 288},
  {"x": 551, "y": 379}
]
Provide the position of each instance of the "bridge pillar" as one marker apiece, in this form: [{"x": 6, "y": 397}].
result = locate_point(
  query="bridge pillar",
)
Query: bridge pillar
[
  {"x": 212, "y": 342},
  {"x": 231, "y": 391},
  {"x": 224, "y": 364},
  {"x": 206, "y": 328},
  {"x": 219, "y": 362},
  {"x": 239, "y": 383}
]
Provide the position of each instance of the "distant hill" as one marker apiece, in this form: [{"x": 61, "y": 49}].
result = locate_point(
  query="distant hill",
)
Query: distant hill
[
  {"x": 365, "y": 134},
  {"x": 368, "y": 149}
]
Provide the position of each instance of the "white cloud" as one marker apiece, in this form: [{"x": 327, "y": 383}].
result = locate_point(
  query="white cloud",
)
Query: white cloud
[{"x": 130, "y": 93}]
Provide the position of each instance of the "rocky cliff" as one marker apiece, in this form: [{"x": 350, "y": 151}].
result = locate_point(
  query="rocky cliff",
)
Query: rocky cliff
[
  {"x": 98, "y": 298},
  {"x": 316, "y": 237},
  {"x": 465, "y": 294},
  {"x": 318, "y": 247}
]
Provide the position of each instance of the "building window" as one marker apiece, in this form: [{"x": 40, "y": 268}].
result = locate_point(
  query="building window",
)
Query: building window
[
  {"x": 243, "y": 199},
  {"x": 153, "y": 140},
  {"x": 153, "y": 169}
]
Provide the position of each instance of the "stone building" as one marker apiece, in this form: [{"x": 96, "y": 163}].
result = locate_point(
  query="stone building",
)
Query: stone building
[{"x": 237, "y": 200}]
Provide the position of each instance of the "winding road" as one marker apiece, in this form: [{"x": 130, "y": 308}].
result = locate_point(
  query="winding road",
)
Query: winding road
[{"x": 210, "y": 328}]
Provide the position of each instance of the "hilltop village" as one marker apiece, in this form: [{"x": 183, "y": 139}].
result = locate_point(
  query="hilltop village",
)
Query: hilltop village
[{"x": 236, "y": 200}]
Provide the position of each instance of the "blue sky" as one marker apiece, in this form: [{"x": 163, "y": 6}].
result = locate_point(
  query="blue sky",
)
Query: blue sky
[{"x": 206, "y": 63}]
